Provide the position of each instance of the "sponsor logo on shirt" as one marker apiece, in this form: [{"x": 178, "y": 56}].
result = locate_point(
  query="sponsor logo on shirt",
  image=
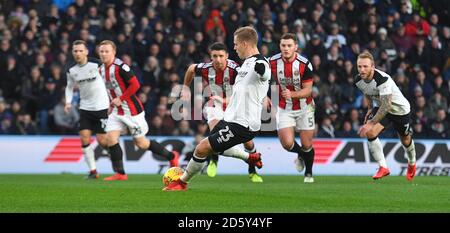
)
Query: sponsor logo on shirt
[{"x": 87, "y": 80}]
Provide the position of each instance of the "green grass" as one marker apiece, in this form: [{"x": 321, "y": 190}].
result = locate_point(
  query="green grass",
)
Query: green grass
[{"x": 224, "y": 194}]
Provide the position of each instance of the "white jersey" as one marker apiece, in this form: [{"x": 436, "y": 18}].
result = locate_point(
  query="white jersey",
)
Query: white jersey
[
  {"x": 382, "y": 84},
  {"x": 249, "y": 90},
  {"x": 93, "y": 95}
]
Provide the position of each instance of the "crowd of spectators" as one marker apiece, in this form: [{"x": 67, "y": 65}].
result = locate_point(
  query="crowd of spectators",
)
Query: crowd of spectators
[{"x": 159, "y": 39}]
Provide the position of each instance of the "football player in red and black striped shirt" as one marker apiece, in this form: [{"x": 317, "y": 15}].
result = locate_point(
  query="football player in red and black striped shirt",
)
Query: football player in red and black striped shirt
[
  {"x": 127, "y": 112},
  {"x": 293, "y": 75}
]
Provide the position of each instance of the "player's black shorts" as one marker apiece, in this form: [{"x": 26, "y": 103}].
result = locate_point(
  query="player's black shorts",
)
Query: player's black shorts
[
  {"x": 94, "y": 120},
  {"x": 400, "y": 122},
  {"x": 227, "y": 134}
]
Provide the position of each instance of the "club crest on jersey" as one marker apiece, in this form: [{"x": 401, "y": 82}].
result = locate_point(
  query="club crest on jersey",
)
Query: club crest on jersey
[
  {"x": 296, "y": 72},
  {"x": 111, "y": 85},
  {"x": 126, "y": 67},
  {"x": 286, "y": 81}
]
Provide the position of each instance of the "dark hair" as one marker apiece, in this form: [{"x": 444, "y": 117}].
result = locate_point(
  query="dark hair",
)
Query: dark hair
[
  {"x": 78, "y": 42},
  {"x": 217, "y": 46},
  {"x": 287, "y": 36}
]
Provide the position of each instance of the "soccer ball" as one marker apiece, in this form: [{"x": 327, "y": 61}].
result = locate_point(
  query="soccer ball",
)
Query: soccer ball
[{"x": 172, "y": 174}]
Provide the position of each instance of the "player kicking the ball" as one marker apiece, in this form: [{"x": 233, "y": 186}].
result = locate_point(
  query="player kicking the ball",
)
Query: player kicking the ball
[
  {"x": 393, "y": 108},
  {"x": 220, "y": 76},
  {"x": 243, "y": 115}
]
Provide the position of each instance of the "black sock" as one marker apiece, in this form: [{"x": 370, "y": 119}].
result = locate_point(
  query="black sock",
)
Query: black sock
[
  {"x": 251, "y": 168},
  {"x": 215, "y": 157},
  {"x": 116, "y": 158},
  {"x": 308, "y": 157},
  {"x": 156, "y": 148},
  {"x": 296, "y": 148}
]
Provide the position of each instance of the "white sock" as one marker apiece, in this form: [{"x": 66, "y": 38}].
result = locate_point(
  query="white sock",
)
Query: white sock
[
  {"x": 89, "y": 157},
  {"x": 236, "y": 152},
  {"x": 411, "y": 153},
  {"x": 194, "y": 166},
  {"x": 376, "y": 150}
]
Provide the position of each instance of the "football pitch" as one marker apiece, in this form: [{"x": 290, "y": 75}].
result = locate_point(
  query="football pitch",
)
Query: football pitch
[{"x": 68, "y": 193}]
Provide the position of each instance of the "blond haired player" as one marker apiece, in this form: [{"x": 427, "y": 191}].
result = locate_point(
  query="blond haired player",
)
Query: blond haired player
[{"x": 391, "y": 108}]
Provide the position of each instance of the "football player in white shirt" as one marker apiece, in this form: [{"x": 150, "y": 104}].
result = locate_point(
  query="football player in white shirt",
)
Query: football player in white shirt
[
  {"x": 219, "y": 75},
  {"x": 243, "y": 114},
  {"x": 393, "y": 108},
  {"x": 293, "y": 75},
  {"x": 94, "y": 102}
]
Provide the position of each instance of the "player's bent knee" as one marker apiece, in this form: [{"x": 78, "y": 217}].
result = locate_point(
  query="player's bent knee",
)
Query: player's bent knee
[
  {"x": 141, "y": 145},
  {"x": 306, "y": 147},
  {"x": 142, "y": 142},
  {"x": 203, "y": 149},
  {"x": 200, "y": 153},
  {"x": 102, "y": 141},
  {"x": 372, "y": 134},
  {"x": 85, "y": 141},
  {"x": 287, "y": 144},
  {"x": 249, "y": 144},
  {"x": 307, "y": 143},
  {"x": 406, "y": 140},
  {"x": 111, "y": 141}
]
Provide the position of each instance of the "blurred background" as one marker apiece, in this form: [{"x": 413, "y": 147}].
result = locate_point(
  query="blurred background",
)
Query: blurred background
[{"x": 160, "y": 39}]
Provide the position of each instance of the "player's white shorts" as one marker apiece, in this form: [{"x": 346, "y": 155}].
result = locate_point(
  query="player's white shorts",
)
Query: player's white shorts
[
  {"x": 302, "y": 119},
  {"x": 137, "y": 125},
  {"x": 214, "y": 113}
]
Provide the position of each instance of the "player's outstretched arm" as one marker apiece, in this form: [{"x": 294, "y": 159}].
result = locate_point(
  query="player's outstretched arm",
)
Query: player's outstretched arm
[{"x": 185, "y": 94}]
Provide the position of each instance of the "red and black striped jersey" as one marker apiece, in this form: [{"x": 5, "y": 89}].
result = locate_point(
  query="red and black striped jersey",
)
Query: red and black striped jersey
[
  {"x": 219, "y": 82},
  {"x": 118, "y": 78},
  {"x": 292, "y": 76}
]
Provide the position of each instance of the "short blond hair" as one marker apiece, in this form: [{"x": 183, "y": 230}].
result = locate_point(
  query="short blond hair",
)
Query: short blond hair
[
  {"x": 108, "y": 42},
  {"x": 247, "y": 34},
  {"x": 366, "y": 55}
]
